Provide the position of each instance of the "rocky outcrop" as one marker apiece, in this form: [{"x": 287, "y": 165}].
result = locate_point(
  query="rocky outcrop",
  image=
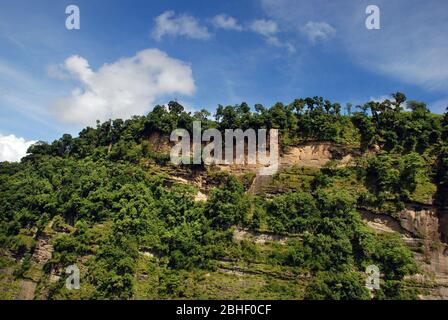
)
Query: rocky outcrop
[
  {"x": 160, "y": 143},
  {"x": 314, "y": 155},
  {"x": 43, "y": 251},
  {"x": 425, "y": 223},
  {"x": 260, "y": 237},
  {"x": 421, "y": 221},
  {"x": 27, "y": 289},
  {"x": 420, "y": 226},
  {"x": 258, "y": 183},
  {"x": 443, "y": 224},
  {"x": 383, "y": 223}
]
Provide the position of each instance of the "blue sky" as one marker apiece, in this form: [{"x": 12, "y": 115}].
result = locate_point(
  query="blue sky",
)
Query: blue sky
[{"x": 130, "y": 55}]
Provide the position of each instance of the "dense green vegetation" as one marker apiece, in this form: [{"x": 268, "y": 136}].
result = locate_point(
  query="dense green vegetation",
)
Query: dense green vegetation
[{"x": 105, "y": 201}]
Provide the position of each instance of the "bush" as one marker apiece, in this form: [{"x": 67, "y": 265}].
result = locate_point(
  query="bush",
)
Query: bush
[
  {"x": 21, "y": 244},
  {"x": 337, "y": 286},
  {"x": 23, "y": 267}
]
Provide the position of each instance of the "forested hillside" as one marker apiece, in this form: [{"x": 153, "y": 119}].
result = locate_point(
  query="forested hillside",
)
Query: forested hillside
[{"x": 139, "y": 227}]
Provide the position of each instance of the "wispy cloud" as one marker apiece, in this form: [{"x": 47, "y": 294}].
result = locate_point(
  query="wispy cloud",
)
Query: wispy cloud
[
  {"x": 24, "y": 94},
  {"x": 13, "y": 74},
  {"x": 170, "y": 24},
  {"x": 315, "y": 31},
  {"x": 411, "y": 45},
  {"x": 269, "y": 30},
  {"x": 226, "y": 22}
]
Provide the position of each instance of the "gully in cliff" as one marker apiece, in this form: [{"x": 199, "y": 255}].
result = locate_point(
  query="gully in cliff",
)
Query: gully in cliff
[{"x": 234, "y": 147}]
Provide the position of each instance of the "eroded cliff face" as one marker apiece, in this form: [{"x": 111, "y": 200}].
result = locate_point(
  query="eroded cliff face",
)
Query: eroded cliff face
[
  {"x": 424, "y": 227},
  {"x": 315, "y": 155},
  {"x": 420, "y": 227},
  {"x": 384, "y": 223},
  {"x": 424, "y": 224},
  {"x": 421, "y": 221},
  {"x": 160, "y": 143},
  {"x": 443, "y": 224}
]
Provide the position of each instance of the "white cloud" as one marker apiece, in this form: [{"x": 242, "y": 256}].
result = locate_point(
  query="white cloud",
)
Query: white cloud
[
  {"x": 224, "y": 21},
  {"x": 168, "y": 23},
  {"x": 264, "y": 27},
  {"x": 317, "y": 31},
  {"x": 274, "y": 41},
  {"x": 124, "y": 88},
  {"x": 181, "y": 25},
  {"x": 269, "y": 29},
  {"x": 12, "y": 148}
]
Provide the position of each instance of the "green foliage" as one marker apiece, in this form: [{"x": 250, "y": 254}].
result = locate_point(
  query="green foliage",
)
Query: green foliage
[
  {"x": 333, "y": 236},
  {"x": 106, "y": 203},
  {"x": 394, "y": 290},
  {"x": 23, "y": 266},
  {"x": 21, "y": 244},
  {"x": 112, "y": 271},
  {"x": 395, "y": 178},
  {"x": 394, "y": 259},
  {"x": 227, "y": 205},
  {"x": 442, "y": 167},
  {"x": 292, "y": 212},
  {"x": 395, "y": 130},
  {"x": 337, "y": 286}
]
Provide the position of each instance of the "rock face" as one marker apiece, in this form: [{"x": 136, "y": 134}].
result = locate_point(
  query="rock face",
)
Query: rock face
[
  {"x": 160, "y": 143},
  {"x": 27, "y": 289},
  {"x": 315, "y": 155},
  {"x": 42, "y": 254},
  {"x": 423, "y": 222},
  {"x": 43, "y": 251},
  {"x": 443, "y": 224},
  {"x": 258, "y": 237},
  {"x": 311, "y": 155},
  {"x": 384, "y": 223},
  {"x": 420, "y": 226},
  {"x": 258, "y": 183}
]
